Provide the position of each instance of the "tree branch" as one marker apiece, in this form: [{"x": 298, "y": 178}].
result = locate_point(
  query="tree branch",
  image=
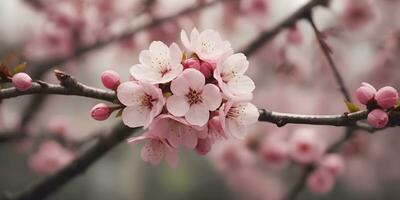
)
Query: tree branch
[
  {"x": 51, "y": 184},
  {"x": 268, "y": 35}
]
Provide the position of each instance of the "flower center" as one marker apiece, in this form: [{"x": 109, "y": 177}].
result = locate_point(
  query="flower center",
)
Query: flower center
[
  {"x": 194, "y": 97},
  {"x": 227, "y": 76},
  {"x": 161, "y": 64},
  {"x": 147, "y": 101},
  {"x": 235, "y": 112},
  {"x": 207, "y": 46}
]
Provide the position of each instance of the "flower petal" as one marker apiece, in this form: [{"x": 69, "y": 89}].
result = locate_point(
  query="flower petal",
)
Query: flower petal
[
  {"x": 136, "y": 116},
  {"x": 195, "y": 79},
  {"x": 198, "y": 115},
  {"x": 135, "y": 140},
  {"x": 211, "y": 96},
  {"x": 189, "y": 138},
  {"x": 145, "y": 73},
  {"x": 153, "y": 152},
  {"x": 185, "y": 40},
  {"x": 129, "y": 93},
  {"x": 172, "y": 158},
  {"x": 145, "y": 58},
  {"x": 235, "y": 129},
  {"x": 249, "y": 114},
  {"x": 177, "y": 105},
  {"x": 241, "y": 85},
  {"x": 237, "y": 63},
  {"x": 175, "y": 54}
]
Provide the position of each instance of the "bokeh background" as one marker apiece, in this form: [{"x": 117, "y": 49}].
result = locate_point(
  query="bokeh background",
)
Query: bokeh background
[{"x": 290, "y": 72}]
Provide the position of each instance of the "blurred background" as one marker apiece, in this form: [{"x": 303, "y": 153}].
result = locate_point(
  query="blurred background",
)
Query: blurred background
[{"x": 290, "y": 72}]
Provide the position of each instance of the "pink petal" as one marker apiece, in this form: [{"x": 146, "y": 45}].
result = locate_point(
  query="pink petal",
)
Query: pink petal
[
  {"x": 172, "y": 158},
  {"x": 212, "y": 97},
  {"x": 249, "y": 114},
  {"x": 145, "y": 58},
  {"x": 157, "y": 48},
  {"x": 177, "y": 105},
  {"x": 135, "y": 140},
  {"x": 189, "y": 138},
  {"x": 237, "y": 63},
  {"x": 180, "y": 86},
  {"x": 136, "y": 116},
  {"x": 198, "y": 115},
  {"x": 153, "y": 152},
  {"x": 129, "y": 92},
  {"x": 195, "y": 79},
  {"x": 241, "y": 85}
]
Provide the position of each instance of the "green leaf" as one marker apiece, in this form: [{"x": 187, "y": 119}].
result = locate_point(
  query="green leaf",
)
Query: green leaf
[
  {"x": 19, "y": 68},
  {"x": 119, "y": 113},
  {"x": 352, "y": 107}
]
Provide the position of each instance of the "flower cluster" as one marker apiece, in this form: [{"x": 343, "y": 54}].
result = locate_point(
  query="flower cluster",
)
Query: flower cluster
[
  {"x": 378, "y": 102},
  {"x": 185, "y": 100}
]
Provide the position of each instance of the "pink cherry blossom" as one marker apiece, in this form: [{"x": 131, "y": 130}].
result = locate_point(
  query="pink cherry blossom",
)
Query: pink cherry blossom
[
  {"x": 193, "y": 98},
  {"x": 50, "y": 157},
  {"x": 156, "y": 149},
  {"x": 387, "y": 97},
  {"x": 158, "y": 64},
  {"x": 207, "y": 45},
  {"x": 320, "y": 181},
  {"x": 235, "y": 117},
  {"x": 275, "y": 152},
  {"x": 230, "y": 76},
  {"x": 305, "y": 146},
  {"x": 333, "y": 163},
  {"x": 144, "y": 101},
  {"x": 378, "y": 118},
  {"x": 365, "y": 93},
  {"x": 177, "y": 131},
  {"x": 22, "y": 81}
]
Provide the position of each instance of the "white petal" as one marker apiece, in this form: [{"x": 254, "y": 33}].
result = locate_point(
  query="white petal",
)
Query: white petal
[
  {"x": 175, "y": 54},
  {"x": 136, "y": 116},
  {"x": 157, "y": 47},
  {"x": 198, "y": 115},
  {"x": 249, "y": 114},
  {"x": 195, "y": 79},
  {"x": 145, "y": 58},
  {"x": 235, "y": 129},
  {"x": 129, "y": 93},
  {"x": 177, "y": 105},
  {"x": 180, "y": 86},
  {"x": 145, "y": 73},
  {"x": 237, "y": 63},
  {"x": 241, "y": 85},
  {"x": 211, "y": 96},
  {"x": 185, "y": 40}
]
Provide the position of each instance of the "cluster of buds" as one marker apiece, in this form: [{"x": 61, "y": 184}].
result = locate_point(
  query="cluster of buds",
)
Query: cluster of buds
[
  {"x": 304, "y": 148},
  {"x": 378, "y": 103},
  {"x": 185, "y": 100}
]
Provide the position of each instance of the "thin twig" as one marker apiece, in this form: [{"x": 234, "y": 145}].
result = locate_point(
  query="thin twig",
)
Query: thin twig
[{"x": 268, "y": 35}]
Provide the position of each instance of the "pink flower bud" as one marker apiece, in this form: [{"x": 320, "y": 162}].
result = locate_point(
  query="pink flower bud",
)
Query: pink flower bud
[
  {"x": 378, "y": 118},
  {"x": 110, "y": 79},
  {"x": 275, "y": 153},
  {"x": 365, "y": 93},
  {"x": 100, "y": 112},
  {"x": 333, "y": 163},
  {"x": 207, "y": 69},
  {"x": 386, "y": 97},
  {"x": 320, "y": 181},
  {"x": 191, "y": 63},
  {"x": 203, "y": 146},
  {"x": 22, "y": 81}
]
